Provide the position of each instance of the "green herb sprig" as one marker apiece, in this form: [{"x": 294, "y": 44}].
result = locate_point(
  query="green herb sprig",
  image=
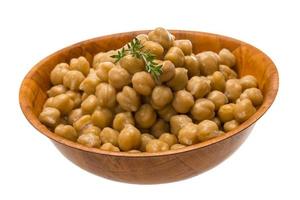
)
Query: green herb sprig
[{"x": 134, "y": 48}]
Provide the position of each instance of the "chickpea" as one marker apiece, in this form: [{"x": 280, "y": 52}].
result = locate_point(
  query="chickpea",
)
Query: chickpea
[
  {"x": 177, "y": 122},
  {"x": 167, "y": 112},
  {"x": 74, "y": 115},
  {"x": 109, "y": 135},
  {"x": 84, "y": 96},
  {"x": 188, "y": 134},
  {"x": 226, "y": 112},
  {"x": 109, "y": 147},
  {"x": 203, "y": 109},
  {"x": 180, "y": 79},
  {"x": 217, "y": 81},
  {"x": 63, "y": 103},
  {"x": 176, "y": 56},
  {"x": 183, "y": 101},
  {"x": 89, "y": 104},
  {"x": 80, "y": 64},
  {"x": 56, "y": 90},
  {"x": 145, "y": 138},
  {"x": 218, "y": 98},
  {"x": 198, "y": 86},
  {"x": 106, "y": 95},
  {"x": 121, "y": 119},
  {"x": 91, "y": 129},
  {"x": 82, "y": 122},
  {"x": 227, "y": 72},
  {"x": 159, "y": 128},
  {"x": 156, "y": 145},
  {"x": 217, "y": 121},
  {"x": 89, "y": 84},
  {"x": 168, "y": 71},
  {"x": 129, "y": 138},
  {"x": 185, "y": 45},
  {"x": 161, "y": 36},
  {"x": 75, "y": 96},
  {"x": 89, "y": 140},
  {"x": 117, "y": 109},
  {"x": 103, "y": 57},
  {"x": 243, "y": 110},
  {"x": 145, "y": 117},
  {"x": 227, "y": 58},
  {"x": 50, "y": 116},
  {"x": 177, "y": 146},
  {"x": 192, "y": 65},
  {"x": 102, "y": 117},
  {"x": 254, "y": 95},
  {"x": 58, "y": 73},
  {"x": 248, "y": 81},
  {"x": 143, "y": 83},
  {"x": 233, "y": 89},
  {"x": 208, "y": 62},
  {"x": 129, "y": 99},
  {"x": 73, "y": 79},
  {"x": 161, "y": 96},
  {"x": 66, "y": 131},
  {"x": 230, "y": 125},
  {"x": 168, "y": 138},
  {"x": 153, "y": 48},
  {"x": 118, "y": 77},
  {"x": 132, "y": 64},
  {"x": 142, "y": 38},
  {"x": 207, "y": 130},
  {"x": 103, "y": 70}
]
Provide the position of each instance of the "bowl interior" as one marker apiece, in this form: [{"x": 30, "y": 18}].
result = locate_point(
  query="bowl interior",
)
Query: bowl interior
[{"x": 249, "y": 61}]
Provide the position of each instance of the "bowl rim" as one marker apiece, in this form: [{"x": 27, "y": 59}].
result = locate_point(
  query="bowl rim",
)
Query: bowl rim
[{"x": 33, "y": 120}]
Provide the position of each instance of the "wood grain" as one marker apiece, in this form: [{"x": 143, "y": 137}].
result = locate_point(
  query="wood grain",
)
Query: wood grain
[{"x": 150, "y": 168}]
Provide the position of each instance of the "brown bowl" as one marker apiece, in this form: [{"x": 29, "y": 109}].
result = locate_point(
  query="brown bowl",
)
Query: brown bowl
[{"x": 149, "y": 168}]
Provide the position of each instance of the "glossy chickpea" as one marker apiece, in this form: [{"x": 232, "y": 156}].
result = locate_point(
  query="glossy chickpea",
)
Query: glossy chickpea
[
  {"x": 73, "y": 79},
  {"x": 84, "y": 96},
  {"x": 161, "y": 36},
  {"x": 75, "y": 96},
  {"x": 188, "y": 134},
  {"x": 203, "y": 109},
  {"x": 89, "y": 140},
  {"x": 109, "y": 147},
  {"x": 177, "y": 122},
  {"x": 102, "y": 117},
  {"x": 217, "y": 121},
  {"x": 248, "y": 81},
  {"x": 208, "y": 62},
  {"x": 129, "y": 138},
  {"x": 161, "y": 96},
  {"x": 106, "y": 95},
  {"x": 226, "y": 112},
  {"x": 168, "y": 71},
  {"x": 227, "y": 72},
  {"x": 103, "y": 57},
  {"x": 207, "y": 130},
  {"x": 58, "y": 73},
  {"x": 56, "y": 90},
  {"x": 198, "y": 86},
  {"x": 63, "y": 103},
  {"x": 183, "y": 101},
  {"x": 103, "y": 70},
  {"x": 230, "y": 125},
  {"x": 217, "y": 81},
  {"x": 233, "y": 89},
  {"x": 167, "y": 112},
  {"x": 192, "y": 65},
  {"x": 145, "y": 117},
  {"x": 159, "y": 128},
  {"x": 153, "y": 48},
  {"x": 80, "y": 64},
  {"x": 243, "y": 110},
  {"x": 66, "y": 131},
  {"x": 50, "y": 116},
  {"x": 176, "y": 56},
  {"x": 254, "y": 95},
  {"x": 142, "y": 38},
  {"x": 180, "y": 79},
  {"x": 82, "y": 123},
  {"x": 118, "y": 77},
  {"x": 156, "y": 145},
  {"x": 89, "y": 84},
  {"x": 89, "y": 104},
  {"x": 74, "y": 115},
  {"x": 132, "y": 64},
  {"x": 227, "y": 58},
  {"x": 109, "y": 135},
  {"x": 129, "y": 99},
  {"x": 185, "y": 45},
  {"x": 91, "y": 129},
  {"x": 143, "y": 83},
  {"x": 168, "y": 138},
  {"x": 218, "y": 98},
  {"x": 177, "y": 146},
  {"x": 121, "y": 119},
  {"x": 145, "y": 138}
]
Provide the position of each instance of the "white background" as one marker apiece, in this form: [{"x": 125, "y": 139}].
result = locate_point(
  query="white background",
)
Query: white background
[{"x": 266, "y": 167}]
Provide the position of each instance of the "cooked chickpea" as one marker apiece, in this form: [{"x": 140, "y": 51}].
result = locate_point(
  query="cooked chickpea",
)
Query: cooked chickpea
[
  {"x": 168, "y": 71},
  {"x": 72, "y": 79},
  {"x": 198, "y": 86},
  {"x": 233, "y": 89},
  {"x": 176, "y": 56},
  {"x": 129, "y": 99},
  {"x": 63, "y": 103},
  {"x": 89, "y": 140},
  {"x": 161, "y": 96},
  {"x": 218, "y": 98},
  {"x": 145, "y": 138},
  {"x": 89, "y": 104},
  {"x": 177, "y": 122},
  {"x": 203, "y": 109},
  {"x": 109, "y": 147},
  {"x": 217, "y": 81},
  {"x": 50, "y": 116},
  {"x": 84, "y": 96},
  {"x": 89, "y": 84},
  {"x": 153, "y": 48},
  {"x": 143, "y": 83},
  {"x": 58, "y": 73},
  {"x": 168, "y": 138},
  {"x": 208, "y": 62},
  {"x": 121, "y": 119},
  {"x": 207, "y": 130},
  {"x": 188, "y": 134},
  {"x": 156, "y": 145},
  {"x": 103, "y": 57},
  {"x": 80, "y": 64},
  {"x": 227, "y": 72},
  {"x": 167, "y": 112},
  {"x": 91, "y": 129},
  {"x": 143, "y": 38},
  {"x": 106, "y": 95},
  {"x": 248, "y": 81},
  {"x": 118, "y": 77},
  {"x": 102, "y": 117},
  {"x": 183, "y": 101},
  {"x": 159, "y": 128},
  {"x": 82, "y": 123},
  {"x": 129, "y": 138},
  {"x": 180, "y": 79},
  {"x": 75, "y": 96},
  {"x": 254, "y": 95},
  {"x": 66, "y": 131},
  {"x": 109, "y": 135},
  {"x": 227, "y": 58},
  {"x": 185, "y": 45},
  {"x": 161, "y": 36},
  {"x": 56, "y": 90},
  {"x": 145, "y": 117},
  {"x": 243, "y": 110},
  {"x": 230, "y": 125},
  {"x": 226, "y": 112},
  {"x": 132, "y": 64},
  {"x": 177, "y": 146},
  {"x": 217, "y": 121},
  {"x": 192, "y": 65},
  {"x": 103, "y": 70},
  {"x": 74, "y": 115}
]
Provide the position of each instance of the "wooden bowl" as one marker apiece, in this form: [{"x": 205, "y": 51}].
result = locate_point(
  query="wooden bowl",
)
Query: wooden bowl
[{"x": 150, "y": 168}]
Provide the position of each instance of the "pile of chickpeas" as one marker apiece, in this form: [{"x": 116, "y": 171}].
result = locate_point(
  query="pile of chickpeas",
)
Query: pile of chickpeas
[{"x": 121, "y": 107}]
